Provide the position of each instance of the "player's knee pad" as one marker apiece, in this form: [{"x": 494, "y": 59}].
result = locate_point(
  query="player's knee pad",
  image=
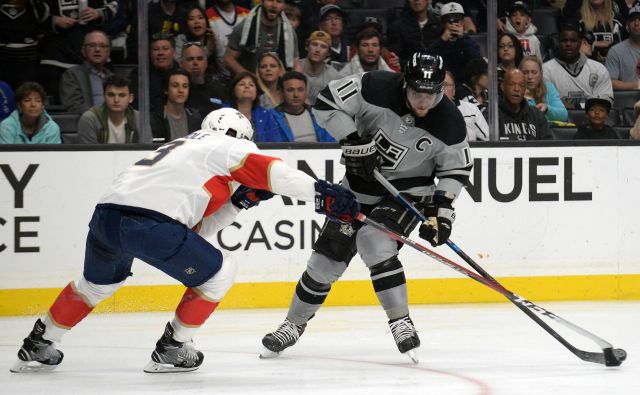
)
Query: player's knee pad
[
  {"x": 219, "y": 284},
  {"x": 324, "y": 269},
  {"x": 337, "y": 241},
  {"x": 387, "y": 274},
  {"x": 95, "y": 293},
  {"x": 311, "y": 291}
]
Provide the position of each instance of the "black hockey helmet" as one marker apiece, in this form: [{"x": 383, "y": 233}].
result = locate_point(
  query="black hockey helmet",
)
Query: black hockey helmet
[{"x": 424, "y": 73}]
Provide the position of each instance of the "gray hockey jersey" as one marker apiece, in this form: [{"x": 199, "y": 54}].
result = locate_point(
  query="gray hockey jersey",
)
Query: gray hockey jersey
[{"x": 414, "y": 150}]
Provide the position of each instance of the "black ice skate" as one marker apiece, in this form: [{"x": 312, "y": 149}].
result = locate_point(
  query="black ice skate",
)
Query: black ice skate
[
  {"x": 36, "y": 353},
  {"x": 285, "y": 336},
  {"x": 173, "y": 356},
  {"x": 406, "y": 337}
]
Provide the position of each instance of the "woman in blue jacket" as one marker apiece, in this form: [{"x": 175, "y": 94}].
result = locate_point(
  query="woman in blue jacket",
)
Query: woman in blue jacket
[
  {"x": 541, "y": 93},
  {"x": 243, "y": 90},
  {"x": 29, "y": 123}
]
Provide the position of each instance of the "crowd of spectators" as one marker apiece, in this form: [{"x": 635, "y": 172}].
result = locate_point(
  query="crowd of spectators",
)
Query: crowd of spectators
[{"x": 80, "y": 57}]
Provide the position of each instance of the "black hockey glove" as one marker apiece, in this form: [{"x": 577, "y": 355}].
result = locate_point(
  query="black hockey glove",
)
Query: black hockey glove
[
  {"x": 360, "y": 157},
  {"x": 437, "y": 228},
  {"x": 336, "y": 202},
  {"x": 245, "y": 197}
]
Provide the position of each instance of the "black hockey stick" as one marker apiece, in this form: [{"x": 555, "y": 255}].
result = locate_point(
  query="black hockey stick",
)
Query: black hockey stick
[{"x": 609, "y": 356}]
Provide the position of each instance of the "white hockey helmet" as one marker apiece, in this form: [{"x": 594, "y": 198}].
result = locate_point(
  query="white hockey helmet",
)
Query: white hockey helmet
[{"x": 229, "y": 121}]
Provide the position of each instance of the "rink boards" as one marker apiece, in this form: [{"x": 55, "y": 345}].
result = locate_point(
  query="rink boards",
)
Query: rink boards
[{"x": 554, "y": 223}]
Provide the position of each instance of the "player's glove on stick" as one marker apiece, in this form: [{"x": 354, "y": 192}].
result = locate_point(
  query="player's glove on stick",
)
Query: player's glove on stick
[
  {"x": 336, "y": 202},
  {"x": 361, "y": 157},
  {"x": 245, "y": 197},
  {"x": 437, "y": 228}
]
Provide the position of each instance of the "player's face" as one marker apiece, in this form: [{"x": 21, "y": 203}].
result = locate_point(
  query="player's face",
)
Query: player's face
[
  {"x": 162, "y": 54},
  {"x": 449, "y": 87},
  {"x": 117, "y": 98},
  {"x": 369, "y": 51},
  {"x": 532, "y": 74},
  {"x": 31, "y": 106},
  {"x": 272, "y": 8},
  {"x": 269, "y": 69},
  {"x": 420, "y": 102},
  {"x": 294, "y": 93},
  {"x": 96, "y": 48},
  {"x": 178, "y": 90},
  {"x": 245, "y": 90},
  {"x": 196, "y": 23},
  {"x": 318, "y": 51}
]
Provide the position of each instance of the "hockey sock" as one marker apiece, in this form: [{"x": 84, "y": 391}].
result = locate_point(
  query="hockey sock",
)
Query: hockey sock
[
  {"x": 390, "y": 285},
  {"x": 193, "y": 310},
  {"x": 69, "y": 308},
  {"x": 307, "y": 300}
]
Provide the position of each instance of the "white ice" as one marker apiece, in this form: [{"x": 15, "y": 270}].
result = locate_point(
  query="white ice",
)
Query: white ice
[{"x": 466, "y": 349}]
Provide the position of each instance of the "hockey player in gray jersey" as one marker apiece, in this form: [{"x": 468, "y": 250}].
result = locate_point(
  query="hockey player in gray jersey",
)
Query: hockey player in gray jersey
[{"x": 401, "y": 125}]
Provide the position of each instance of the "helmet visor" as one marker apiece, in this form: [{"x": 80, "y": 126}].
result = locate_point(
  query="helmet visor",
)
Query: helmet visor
[{"x": 421, "y": 100}]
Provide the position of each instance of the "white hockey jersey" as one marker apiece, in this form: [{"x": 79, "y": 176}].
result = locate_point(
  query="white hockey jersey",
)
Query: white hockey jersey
[{"x": 193, "y": 177}]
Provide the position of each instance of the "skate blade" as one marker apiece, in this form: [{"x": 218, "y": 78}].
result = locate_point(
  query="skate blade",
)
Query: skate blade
[
  {"x": 268, "y": 354},
  {"x": 413, "y": 355},
  {"x": 154, "y": 367},
  {"x": 21, "y": 366}
]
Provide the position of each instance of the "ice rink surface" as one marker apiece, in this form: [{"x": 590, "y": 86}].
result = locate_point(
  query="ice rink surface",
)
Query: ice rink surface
[{"x": 466, "y": 349}]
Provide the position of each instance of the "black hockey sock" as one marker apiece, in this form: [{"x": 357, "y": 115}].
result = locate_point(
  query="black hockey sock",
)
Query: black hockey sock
[{"x": 310, "y": 291}]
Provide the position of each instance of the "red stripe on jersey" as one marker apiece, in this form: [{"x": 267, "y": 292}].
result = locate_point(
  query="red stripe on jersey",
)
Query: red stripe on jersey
[
  {"x": 253, "y": 171},
  {"x": 69, "y": 308},
  {"x": 219, "y": 190},
  {"x": 195, "y": 308}
]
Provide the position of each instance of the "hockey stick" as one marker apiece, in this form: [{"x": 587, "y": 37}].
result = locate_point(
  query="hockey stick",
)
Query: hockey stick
[{"x": 609, "y": 356}]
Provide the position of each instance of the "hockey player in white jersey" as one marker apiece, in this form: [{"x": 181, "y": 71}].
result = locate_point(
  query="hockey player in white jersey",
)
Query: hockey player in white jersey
[
  {"x": 163, "y": 210},
  {"x": 402, "y": 125}
]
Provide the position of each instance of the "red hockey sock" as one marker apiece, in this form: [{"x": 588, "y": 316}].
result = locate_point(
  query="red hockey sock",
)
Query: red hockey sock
[
  {"x": 195, "y": 308},
  {"x": 69, "y": 308}
]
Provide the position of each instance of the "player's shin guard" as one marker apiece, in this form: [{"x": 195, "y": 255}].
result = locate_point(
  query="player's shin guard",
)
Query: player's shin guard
[
  {"x": 69, "y": 308},
  {"x": 193, "y": 310}
]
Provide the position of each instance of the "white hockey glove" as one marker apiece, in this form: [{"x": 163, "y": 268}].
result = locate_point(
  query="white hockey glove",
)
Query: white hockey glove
[
  {"x": 361, "y": 157},
  {"x": 437, "y": 228},
  {"x": 336, "y": 202}
]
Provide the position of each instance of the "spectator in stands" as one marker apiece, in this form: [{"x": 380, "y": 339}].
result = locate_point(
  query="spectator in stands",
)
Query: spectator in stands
[
  {"x": 223, "y": 16},
  {"x": 7, "y": 103},
  {"x": 454, "y": 45},
  {"x": 576, "y": 76},
  {"x": 623, "y": 7},
  {"x": 176, "y": 120},
  {"x": 600, "y": 29},
  {"x": 294, "y": 14},
  {"x": 476, "y": 84},
  {"x": 595, "y": 127},
  {"x": 509, "y": 53},
  {"x": 415, "y": 30},
  {"x": 623, "y": 59},
  {"x": 368, "y": 44},
  {"x": 541, "y": 93},
  {"x": 269, "y": 71},
  {"x": 20, "y": 25},
  {"x": 294, "y": 119},
  {"x": 165, "y": 16},
  {"x": 477, "y": 127},
  {"x": 206, "y": 93},
  {"x": 519, "y": 24},
  {"x": 265, "y": 29},
  {"x": 81, "y": 87},
  {"x": 115, "y": 121},
  {"x": 243, "y": 90},
  {"x": 635, "y": 130},
  {"x": 118, "y": 30},
  {"x": 517, "y": 120},
  {"x": 390, "y": 57},
  {"x": 196, "y": 29},
  {"x": 162, "y": 54},
  {"x": 501, "y": 14},
  {"x": 61, "y": 47},
  {"x": 333, "y": 20},
  {"x": 315, "y": 67},
  {"x": 29, "y": 123},
  {"x": 468, "y": 24},
  {"x": 310, "y": 11}
]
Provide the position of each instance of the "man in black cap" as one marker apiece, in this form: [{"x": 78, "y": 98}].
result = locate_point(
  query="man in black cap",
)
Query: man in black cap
[
  {"x": 333, "y": 20},
  {"x": 595, "y": 128}
]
